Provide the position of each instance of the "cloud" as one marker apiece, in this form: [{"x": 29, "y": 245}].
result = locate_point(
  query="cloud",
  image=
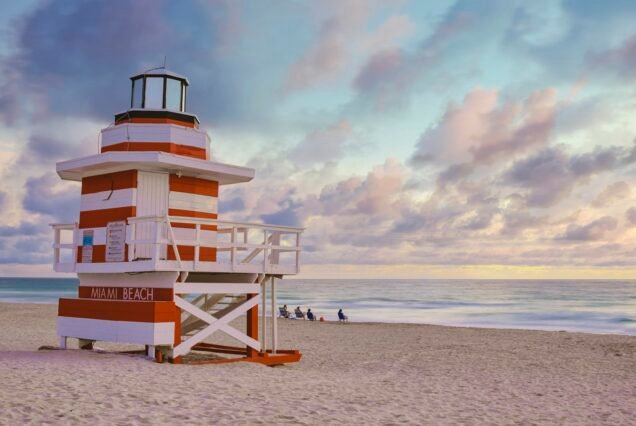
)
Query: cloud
[
  {"x": 551, "y": 174},
  {"x": 593, "y": 231},
  {"x": 388, "y": 35},
  {"x": 454, "y": 173},
  {"x": 482, "y": 128},
  {"x": 388, "y": 77},
  {"x": 385, "y": 76},
  {"x": 288, "y": 214},
  {"x": 563, "y": 41},
  {"x": 546, "y": 174},
  {"x": 74, "y": 58},
  {"x": 630, "y": 215},
  {"x": 45, "y": 195},
  {"x": 322, "y": 145},
  {"x": 518, "y": 221},
  {"x": 327, "y": 56},
  {"x": 23, "y": 228},
  {"x": 46, "y": 149},
  {"x": 614, "y": 192},
  {"x": 621, "y": 60},
  {"x": 376, "y": 195},
  {"x": 230, "y": 205},
  {"x": 343, "y": 35}
]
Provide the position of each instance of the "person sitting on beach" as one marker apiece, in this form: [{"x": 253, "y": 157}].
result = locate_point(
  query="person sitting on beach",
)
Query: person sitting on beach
[
  {"x": 284, "y": 312},
  {"x": 299, "y": 313},
  {"x": 310, "y": 315},
  {"x": 342, "y": 316}
]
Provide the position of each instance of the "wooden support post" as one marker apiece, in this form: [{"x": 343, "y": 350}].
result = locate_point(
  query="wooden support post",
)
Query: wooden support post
[
  {"x": 274, "y": 323},
  {"x": 197, "y": 247},
  {"x": 263, "y": 316},
  {"x": 75, "y": 236},
  {"x": 297, "y": 252},
  {"x": 57, "y": 239},
  {"x": 177, "y": 334},
  {"x": 252, "y": 324},
  {"x": 233, "y": 248},
  {"x": 150, "y": 351},
  {"x": 131, "y": 242}
]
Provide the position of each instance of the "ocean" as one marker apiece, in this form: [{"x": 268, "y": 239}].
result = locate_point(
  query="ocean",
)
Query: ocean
[{"x": 591, "y": 306}]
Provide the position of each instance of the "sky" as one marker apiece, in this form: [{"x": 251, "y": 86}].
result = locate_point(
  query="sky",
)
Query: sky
[{"x": 412, "y": 139}]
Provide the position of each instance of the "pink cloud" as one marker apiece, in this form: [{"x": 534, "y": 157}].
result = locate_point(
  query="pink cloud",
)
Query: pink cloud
[
  {"x": 388, "y": 75},
  {"x": 325, "y": 58},
  {"x": 343, "y": 36},
  {"x": 482, "y": 128},
  {"x": 388, "y": 35},
  {"x": 323, "y": 144},
  {"x": 374, "y": 195},
  {"x": 612, "y": 193}
]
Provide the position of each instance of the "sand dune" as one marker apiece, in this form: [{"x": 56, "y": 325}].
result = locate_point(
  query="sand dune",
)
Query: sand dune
[{"x": 353, "y": 374}]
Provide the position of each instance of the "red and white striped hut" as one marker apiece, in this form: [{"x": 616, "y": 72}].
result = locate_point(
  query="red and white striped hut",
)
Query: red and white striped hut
[{"x": 156, "y": 266}]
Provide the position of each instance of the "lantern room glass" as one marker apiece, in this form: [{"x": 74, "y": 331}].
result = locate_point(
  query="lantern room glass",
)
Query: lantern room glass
[
  {"x": 154, "y": 93},
  {"x": 158, "y": 92},
  {"x": 137, "y": 93},
  {"x": 173, "y": 94}
]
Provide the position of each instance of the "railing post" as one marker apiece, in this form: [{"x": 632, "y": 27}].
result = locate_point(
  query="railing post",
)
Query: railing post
[
  {"x": 173, "y": 241},
  {"x": 131, "y": 242},
  {"x": 274, "y": 257},
  {"x": 157, "y": 251},
  {"x": 265, "y": 251},
  {"x": 233, "y": 248},
  {"x": 197, "y": 244},
  {"x": 75, "y": 236},
  {"x": 263, "y": 316},
  {"x": 274, "y": 323},
  {"x": 297, "y": 252},
  {"x": 56, "y": 247}
]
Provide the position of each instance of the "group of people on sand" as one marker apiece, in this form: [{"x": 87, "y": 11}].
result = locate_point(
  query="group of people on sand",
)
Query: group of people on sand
[{"x": 309, "y": 315}]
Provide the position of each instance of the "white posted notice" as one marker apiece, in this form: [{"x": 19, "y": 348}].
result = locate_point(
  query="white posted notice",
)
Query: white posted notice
[{"x": 116, "y": 241}]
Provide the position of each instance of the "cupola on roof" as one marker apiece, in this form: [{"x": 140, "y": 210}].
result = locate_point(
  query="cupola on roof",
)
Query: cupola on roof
[
  {"x": 158, "y": 94},
  {"x": 159, "y": 88}
]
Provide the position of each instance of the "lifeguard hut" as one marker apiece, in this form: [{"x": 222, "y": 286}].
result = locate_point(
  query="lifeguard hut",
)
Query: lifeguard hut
[{"x": 156, "y": 266}]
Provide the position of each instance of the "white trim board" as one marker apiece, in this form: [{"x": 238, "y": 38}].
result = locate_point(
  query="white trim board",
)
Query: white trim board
[
  {"x": 166, "y": 133},
  {"x": 145, "y": 333},
  {"x": 108, "y": 199},
  {"x": 148, "y": 279},
  {"x": 152, "y": 161},
  {"x": 193, "y": 202}
]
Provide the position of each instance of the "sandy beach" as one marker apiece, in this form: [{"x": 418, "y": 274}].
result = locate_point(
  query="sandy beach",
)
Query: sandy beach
[{"x": 353, "y": 373}]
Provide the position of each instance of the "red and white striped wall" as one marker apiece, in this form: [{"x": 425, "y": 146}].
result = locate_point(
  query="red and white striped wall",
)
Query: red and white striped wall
[
  {"x": 147, "y": 323},
  {"x": 123, "y": 308},
  {"x": 173, "y": 138},
  {"x": 118, "y": 196},
  {"x": 105, "y": 198},
  {"x": 196, "y": 198}
]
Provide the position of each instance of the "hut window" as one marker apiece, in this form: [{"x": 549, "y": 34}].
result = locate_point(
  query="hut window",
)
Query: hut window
[
  {"x": 173, "y": 94},
  {"x": 137, "y": 93},
  {"x": 154, "y": 92}
]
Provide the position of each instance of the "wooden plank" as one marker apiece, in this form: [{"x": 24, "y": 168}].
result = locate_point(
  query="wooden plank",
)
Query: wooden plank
[
  {"x": 117, "y": 310},
  {"x": 215, "y": 288},
  {"x": 109, "y": 181}
]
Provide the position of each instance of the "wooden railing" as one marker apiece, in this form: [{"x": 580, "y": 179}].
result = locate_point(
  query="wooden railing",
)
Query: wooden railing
[
  {"x": 238, "y": 246},
  {"x": 60, "y": 265}
]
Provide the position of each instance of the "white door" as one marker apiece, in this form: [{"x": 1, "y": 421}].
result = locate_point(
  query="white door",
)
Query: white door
[{"x": 152, "y": 200}]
